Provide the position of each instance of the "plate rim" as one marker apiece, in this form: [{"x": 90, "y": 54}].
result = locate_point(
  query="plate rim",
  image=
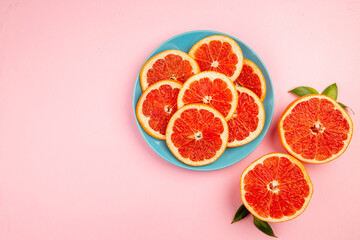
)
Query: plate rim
[{"x": 265, "y": 128}]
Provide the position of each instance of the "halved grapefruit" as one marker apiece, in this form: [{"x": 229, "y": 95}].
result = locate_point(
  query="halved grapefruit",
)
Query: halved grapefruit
[
  {"x": 218, "y": 53},
  {"x": 252, "y": 78},
  {"x": 170, "y": 64},
  {"x": 315, "y": 129},
  {"x": 156, "y": 106},
  {"x": 248, "y": 120},
  {"x": 212, "y": 88},
  {"x": 197, "y": 134},
  {"x": 276, "y": 188}
]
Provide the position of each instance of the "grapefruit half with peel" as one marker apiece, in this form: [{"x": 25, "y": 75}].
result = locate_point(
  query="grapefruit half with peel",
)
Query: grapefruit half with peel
[
  {"x": 197, "y": 134},
  {"x": 218, "y": 53},
  {"x": 156, "y": 106},
  {"x": 212, "y": 88},
  {"x": 315, "y": 129},
  {"x": 248, "y": 120},
  {"x": 252, "y": 78},
  {"x": 170, "y": 64},
  {"x": 276, "y": 187}
]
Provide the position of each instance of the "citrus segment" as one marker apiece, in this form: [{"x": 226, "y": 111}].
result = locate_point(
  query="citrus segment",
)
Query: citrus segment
[
  {"x": 170, "y": 64},
  {"x": 252, "y": 78},
  {"x": 197, "y": 134},
  {"x": 211, "y": 88},
  {"x": 156, "y": 105},
  {"x": 276, "y": 188},
  {"x": 248, "y": 120},
  {"x": 315, "y": 129},
  {"x": 218, "y": 53}
]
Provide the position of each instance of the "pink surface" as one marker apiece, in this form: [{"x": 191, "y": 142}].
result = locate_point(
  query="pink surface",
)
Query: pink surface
[{"x": 73, "y": 164}]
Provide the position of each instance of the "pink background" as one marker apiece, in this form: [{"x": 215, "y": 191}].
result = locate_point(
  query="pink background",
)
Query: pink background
[{"x": 73, "y": 164}]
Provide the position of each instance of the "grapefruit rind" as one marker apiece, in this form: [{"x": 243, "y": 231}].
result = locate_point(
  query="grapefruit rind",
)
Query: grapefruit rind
[
  {"x": 212, "y": 76},
  {"x": 260, "y": 161},
  {"x": 149, "y": 63},
  {"x": 288, "y": 110},
  {"x": 224, "y": 136},
  {"x": 258, "y": 72},
  {"x": 234, "y": 46},
  {"x": 261, "y": 117},
  {"x": 144, "y": 120}
]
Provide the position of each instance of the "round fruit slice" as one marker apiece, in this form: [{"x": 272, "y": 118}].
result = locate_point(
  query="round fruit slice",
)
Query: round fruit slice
[
  {"x": 211, "y": 88},
  {"x": 248, "y": 120},
  {"x": 170, "y": 64},
  {"x": 156, "y": 106},
  {"x": 197, "y": 134},
  {"x": 218, "y": 53},
  {"x": 252, "y": 78},
  {"x": 276, "y": 188},
  {"x": 315, "y": 129}
]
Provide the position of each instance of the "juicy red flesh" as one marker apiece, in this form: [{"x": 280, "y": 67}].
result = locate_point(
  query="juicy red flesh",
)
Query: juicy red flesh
[
  {"x": 155, "y": 105},
  {"x": 291, "y": 188},
  {"x": 249, "y": 79},
  {"x": 218, "y": 51},
  {"x": 245, "y": 119},
  {"x": 171, "y": 67},
  {"x": 221, "y": 96},
  {"x": 310, "y": 144},
  {"x": 191, "y": 123}
]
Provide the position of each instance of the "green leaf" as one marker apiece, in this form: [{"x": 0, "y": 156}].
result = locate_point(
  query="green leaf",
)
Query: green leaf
[
  {"x": 342, "y": 105},
  {"x": 345, "y": 107},
  {"x": 303, "y": 90},
  {"x": 240, "y": 213},
  {"x": 331, "y": 91},
  {"x": 264, "y": 227}
]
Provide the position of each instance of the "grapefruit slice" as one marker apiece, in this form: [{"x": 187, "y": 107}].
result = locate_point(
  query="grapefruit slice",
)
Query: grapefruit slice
[
  {"x": 218, "y": 53},
  {"x": 315, "y": 129},
  {"x": 211, "y": 88},
  {"x": 252, "y": 78},
  {"x": 170, "y": 64},
  {"x": 276, "y": 188},
  {"x": 248, "y": 120},
  {"x": 197, "y": 134},
  {"x": 156, "y": 106}
]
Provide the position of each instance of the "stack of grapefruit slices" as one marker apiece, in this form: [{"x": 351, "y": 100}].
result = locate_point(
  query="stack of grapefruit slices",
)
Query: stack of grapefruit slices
[{"x": 203, "y": 101}]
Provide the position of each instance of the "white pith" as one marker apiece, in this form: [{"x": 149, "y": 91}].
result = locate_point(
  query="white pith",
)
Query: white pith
[
  {"x": 207, "y": 99},
  {"x": 215, "y": 64},
  {"x": 198, "y": 135},
  {"x": 273, "y": 186}
]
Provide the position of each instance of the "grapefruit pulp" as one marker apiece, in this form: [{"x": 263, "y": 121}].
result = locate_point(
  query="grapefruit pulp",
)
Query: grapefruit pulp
[
  {"x": 197, "y": 134},
  {"x": 248, "y": 120},
  {"x": 218, "y": 53},
  {"x": 211, "y": 88},
  {"x": 276, "y": 188},
  {"x": 315, "y": 129},
  {"x": 170, "y": 64},
  {"x": 156, "y": 105},
  {"x": 252, "y": 78}
]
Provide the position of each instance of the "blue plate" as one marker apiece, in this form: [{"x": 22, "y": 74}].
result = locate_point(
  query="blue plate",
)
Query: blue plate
[{"x": 231, "y": 156}]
